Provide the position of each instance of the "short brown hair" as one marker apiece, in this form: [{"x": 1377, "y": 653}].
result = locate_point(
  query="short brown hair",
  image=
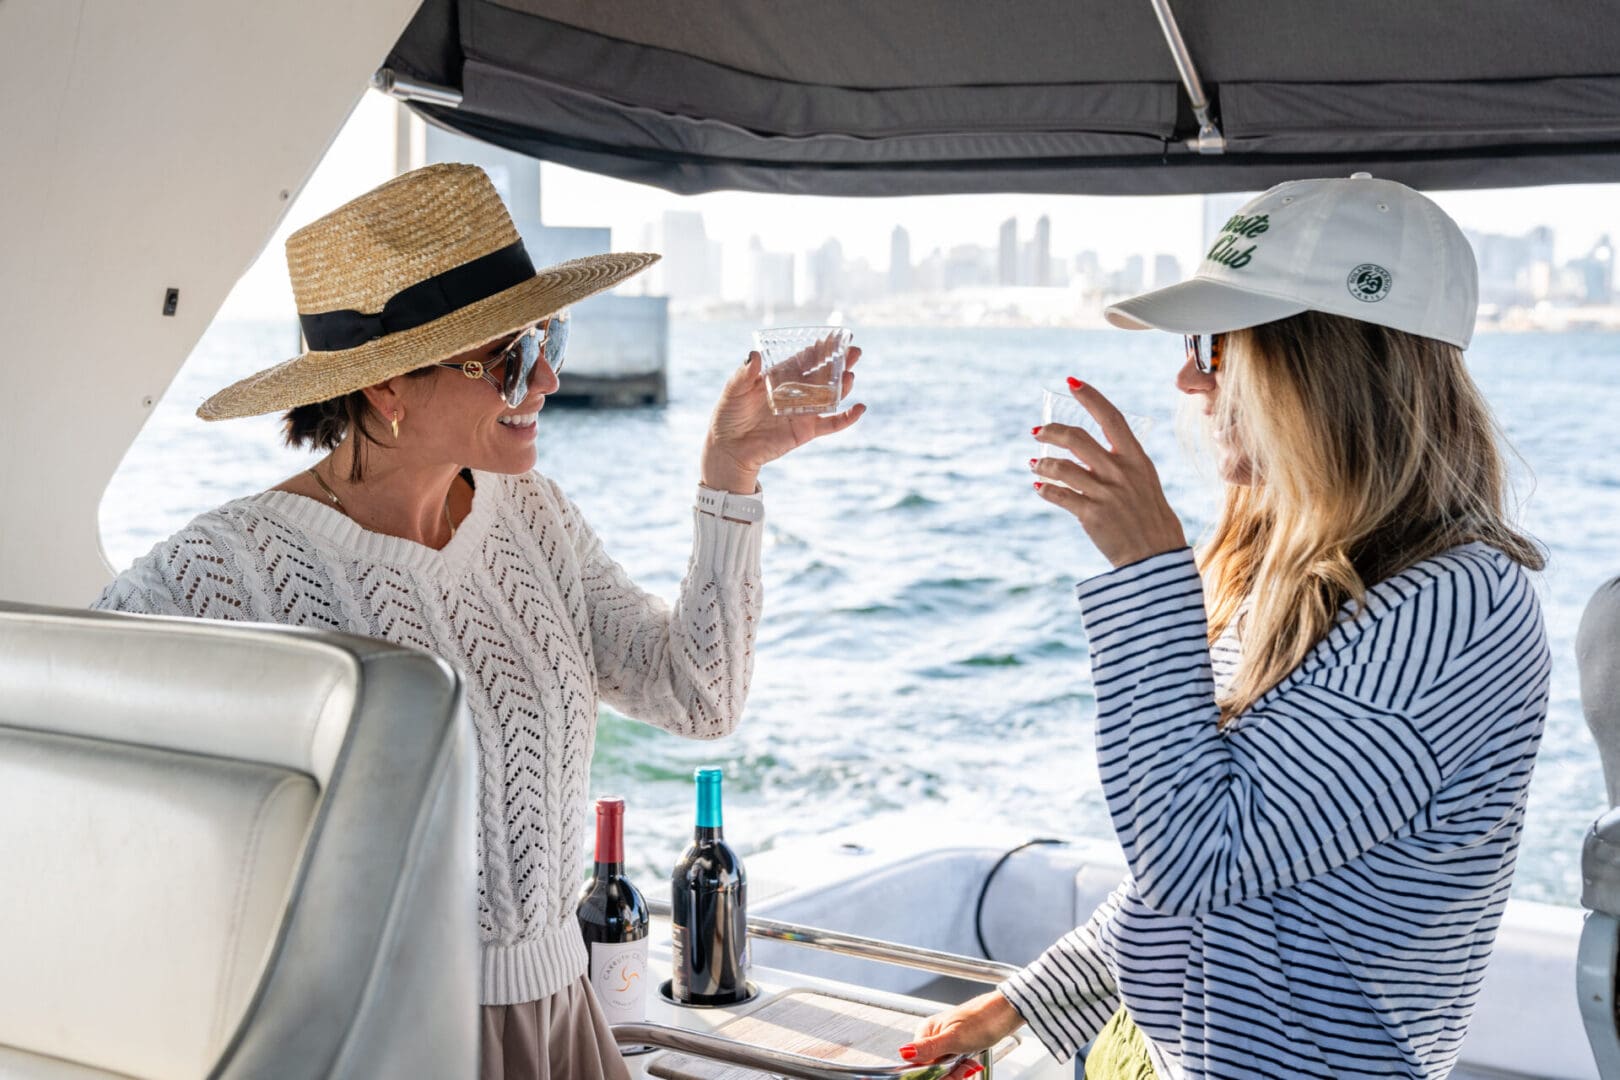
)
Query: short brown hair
[{"x": 322, "y": 425}]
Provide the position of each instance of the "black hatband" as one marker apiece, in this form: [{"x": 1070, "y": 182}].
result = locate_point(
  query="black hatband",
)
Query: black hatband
[{"x": 432, "y": 298}]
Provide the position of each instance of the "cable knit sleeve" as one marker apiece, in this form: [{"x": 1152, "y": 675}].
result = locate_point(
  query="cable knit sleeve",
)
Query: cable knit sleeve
[
  {"x": 684, "y": 669},
  {"x": 194, "y": 573}
]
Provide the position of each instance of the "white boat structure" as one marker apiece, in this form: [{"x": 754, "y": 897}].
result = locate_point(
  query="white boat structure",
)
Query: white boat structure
[{"x": 224, "y": 783}]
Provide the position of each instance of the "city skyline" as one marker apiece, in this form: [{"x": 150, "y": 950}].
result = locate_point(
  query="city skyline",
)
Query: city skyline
[
  {"x": 1114, "y": 228},
  {"x": 1016, "y": 274}
]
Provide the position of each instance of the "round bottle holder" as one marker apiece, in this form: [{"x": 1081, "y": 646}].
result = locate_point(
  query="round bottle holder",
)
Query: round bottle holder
[{"x": 667, "y": 989}]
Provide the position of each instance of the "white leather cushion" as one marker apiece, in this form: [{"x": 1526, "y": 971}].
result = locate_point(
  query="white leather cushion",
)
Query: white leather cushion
[
  {"x": 264, "y": 695},
  {"x": 142, "y": 890},
  {"x": 21, "y": 1065}
]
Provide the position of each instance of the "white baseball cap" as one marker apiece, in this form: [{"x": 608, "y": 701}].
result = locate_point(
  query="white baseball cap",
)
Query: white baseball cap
[{"x": 1366, "y": 249}]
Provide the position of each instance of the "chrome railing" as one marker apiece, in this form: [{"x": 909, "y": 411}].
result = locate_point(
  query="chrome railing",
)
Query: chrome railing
[{"x": 968, "y": 968}]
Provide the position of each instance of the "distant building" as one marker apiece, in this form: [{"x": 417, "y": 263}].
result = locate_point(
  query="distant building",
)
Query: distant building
[
  {"x": 1166, "y": 270},
  {"x": 899, "y": 260},
  {"x": 552, "y": 244},
  {"x": 1131, "y": 277},
  {"x": 1043, "y": 252},
  {"x": 826, "y": 266},
  {"x": 928, "y": 275},
  {"x": 1088, "y": 271},
  {"x": 1514, "y": 271},
  {"x": 1007, "y": 249},
  {"x": 1594, "y": 273},
  {"x": 691, "y": 266},
  {"x": 860, "y": 281},
  {"x": 968, "y": 266},
  {"x": 772, "y": 279}
]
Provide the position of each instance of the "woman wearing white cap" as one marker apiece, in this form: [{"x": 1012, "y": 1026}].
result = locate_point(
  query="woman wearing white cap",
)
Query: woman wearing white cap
[
  {"x": 1315, "y": 734},
  {"x": 433, "y": 344}
]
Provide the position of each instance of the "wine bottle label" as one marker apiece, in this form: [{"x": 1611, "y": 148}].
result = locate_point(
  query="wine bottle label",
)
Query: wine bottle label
[
  {"x": 619, "y": 977},
  {"x": 680, "y": 978}
]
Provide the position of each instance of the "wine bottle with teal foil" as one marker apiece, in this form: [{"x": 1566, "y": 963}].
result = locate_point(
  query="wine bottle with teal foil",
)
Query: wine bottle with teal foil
[{"x": 710, "y": 917}]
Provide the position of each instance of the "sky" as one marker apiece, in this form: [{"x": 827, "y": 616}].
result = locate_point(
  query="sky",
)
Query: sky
[{"x": 363, "y": 155}]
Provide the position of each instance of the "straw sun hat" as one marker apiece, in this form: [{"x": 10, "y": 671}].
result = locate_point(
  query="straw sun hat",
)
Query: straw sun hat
[{"x": 424, "y": 267}]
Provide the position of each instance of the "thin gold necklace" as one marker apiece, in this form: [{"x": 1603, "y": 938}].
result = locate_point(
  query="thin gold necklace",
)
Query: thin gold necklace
[{"x": 337, "y": 502}]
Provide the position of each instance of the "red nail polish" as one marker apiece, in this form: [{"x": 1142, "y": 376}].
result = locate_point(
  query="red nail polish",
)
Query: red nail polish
[
  {"x": 1032, "y": 462},
  {"x": 1035, "y": 430},
  {"x": 1037, "y": 485},
  {"x": 1074, "y": 383},
  {"x": 908, "y": 1052},
  {"x": 974, "y": 1071}
]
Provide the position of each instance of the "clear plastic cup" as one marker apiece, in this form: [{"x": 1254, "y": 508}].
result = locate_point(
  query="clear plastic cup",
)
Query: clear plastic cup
[
  {"x": 1059, "y": 407},
  {"x": 804, "y": 368}
]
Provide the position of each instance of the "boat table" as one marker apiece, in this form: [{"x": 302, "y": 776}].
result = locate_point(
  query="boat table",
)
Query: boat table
[{"x": 780, "y": 990}]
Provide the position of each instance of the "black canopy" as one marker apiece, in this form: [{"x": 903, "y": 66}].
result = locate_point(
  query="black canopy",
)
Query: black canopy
[{"x": 901, "y": 97}]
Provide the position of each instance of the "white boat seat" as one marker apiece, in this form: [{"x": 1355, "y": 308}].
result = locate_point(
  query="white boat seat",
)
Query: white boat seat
[
  {"x": 231, "y": 851},
  {"x": 1597, "y": 653}
]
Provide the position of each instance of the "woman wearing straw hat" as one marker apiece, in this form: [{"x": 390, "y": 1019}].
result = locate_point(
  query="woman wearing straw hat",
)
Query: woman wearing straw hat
[
  {"x": 1315, "y": 735},
  {"x": 433, "y": 344}
]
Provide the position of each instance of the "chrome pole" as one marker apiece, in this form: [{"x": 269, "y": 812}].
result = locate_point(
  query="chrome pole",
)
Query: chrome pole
[
  {"x": 778, "y": 1062},
  {"x": 411, "y": 90},
  {"x": 1209, "y": 139},
  {"x": 968, "y": 968}
]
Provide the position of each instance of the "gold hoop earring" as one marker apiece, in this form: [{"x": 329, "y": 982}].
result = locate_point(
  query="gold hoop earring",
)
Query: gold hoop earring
[{"x": 394, "y": 420}]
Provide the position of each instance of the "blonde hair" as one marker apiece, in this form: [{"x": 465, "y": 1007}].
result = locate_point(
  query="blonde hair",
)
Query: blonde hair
[{"x": 1372, "y": 450}]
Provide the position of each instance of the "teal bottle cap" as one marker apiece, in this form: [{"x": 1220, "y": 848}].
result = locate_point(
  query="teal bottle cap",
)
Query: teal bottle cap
[{"x": 708, "y": 797}]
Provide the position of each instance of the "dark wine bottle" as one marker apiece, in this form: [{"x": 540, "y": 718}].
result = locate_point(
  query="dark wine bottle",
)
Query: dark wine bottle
[
  {"x": 710, "y": 902},
  {"x": 613, "y": 918}
]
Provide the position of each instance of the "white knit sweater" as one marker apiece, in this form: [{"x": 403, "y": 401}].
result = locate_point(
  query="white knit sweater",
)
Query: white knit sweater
[{"x": 540, "y": 622}]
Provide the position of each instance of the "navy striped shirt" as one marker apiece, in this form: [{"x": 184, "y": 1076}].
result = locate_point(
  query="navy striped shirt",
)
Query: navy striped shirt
[{"x": 1314, "y": 891}]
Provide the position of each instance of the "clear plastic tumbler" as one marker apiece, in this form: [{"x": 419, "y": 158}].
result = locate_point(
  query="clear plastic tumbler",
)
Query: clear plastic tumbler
[
  {"x": 804, "y": 368},
  {"x": 1059, "y": 407}
]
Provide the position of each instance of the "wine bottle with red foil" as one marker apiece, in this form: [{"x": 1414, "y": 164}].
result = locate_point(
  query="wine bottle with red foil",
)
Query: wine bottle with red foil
[
  {"x": 613, "y": 918},
  {"x": 709, "y": 922}
]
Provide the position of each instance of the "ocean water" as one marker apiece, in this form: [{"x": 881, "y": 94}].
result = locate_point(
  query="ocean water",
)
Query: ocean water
[{"x": 921, "y": 646}]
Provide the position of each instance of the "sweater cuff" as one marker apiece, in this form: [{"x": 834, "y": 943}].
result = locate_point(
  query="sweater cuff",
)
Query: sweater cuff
[
  {"x": 1124, "y": 591},
  {"x": 748, "y": 509},
  {"x": 728, "y": 532},
  {"x": 1025, "y": 998}
]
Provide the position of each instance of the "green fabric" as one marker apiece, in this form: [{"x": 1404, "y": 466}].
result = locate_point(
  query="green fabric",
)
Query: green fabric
[{"x": 1120, "y": 1052}]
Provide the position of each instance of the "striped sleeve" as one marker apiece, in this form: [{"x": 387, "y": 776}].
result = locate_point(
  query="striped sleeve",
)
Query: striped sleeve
[
  {"x": 1068, "y": 993},
  {"x": 1342, "y": 755}
]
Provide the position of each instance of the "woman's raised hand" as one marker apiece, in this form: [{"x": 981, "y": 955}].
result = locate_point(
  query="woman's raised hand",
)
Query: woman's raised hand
[
  {"x": 1114, "y": 493},
  {"x": 744, "y": 434},
  {"x": 972, "y": 1026}
]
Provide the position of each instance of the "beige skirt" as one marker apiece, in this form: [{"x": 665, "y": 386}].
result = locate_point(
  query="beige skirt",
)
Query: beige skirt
[{"x": 562, "y": 1037}]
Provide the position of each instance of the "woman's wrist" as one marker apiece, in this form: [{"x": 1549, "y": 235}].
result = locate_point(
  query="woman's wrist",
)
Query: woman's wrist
[
  {"x": 1000, "y": 1013},
  {"x": 722, "y": 472}
]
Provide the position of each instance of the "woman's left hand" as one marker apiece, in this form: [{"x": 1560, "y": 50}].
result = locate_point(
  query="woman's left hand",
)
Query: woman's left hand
[
  {"x": 744, "y": 434},
  {"x": 1116, "y": 494}
]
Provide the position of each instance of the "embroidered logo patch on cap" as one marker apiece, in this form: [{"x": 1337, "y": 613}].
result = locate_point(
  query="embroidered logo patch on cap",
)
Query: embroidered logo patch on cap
[{"x": 1369, "y": 282}]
